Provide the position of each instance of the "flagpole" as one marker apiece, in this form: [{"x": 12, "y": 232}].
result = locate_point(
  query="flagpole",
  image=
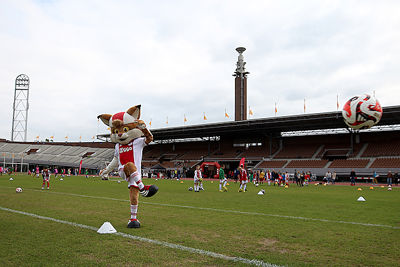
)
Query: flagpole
[{"x": 337, "y": 102}]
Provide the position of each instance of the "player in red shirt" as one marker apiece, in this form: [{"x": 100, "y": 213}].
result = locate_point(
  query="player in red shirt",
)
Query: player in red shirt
[
  {"x": 243, "y": 179},
  {"x": 46, "y": 177}
]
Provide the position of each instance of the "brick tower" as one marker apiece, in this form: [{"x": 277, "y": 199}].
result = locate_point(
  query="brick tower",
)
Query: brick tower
[{"x": 240, "y": 87}]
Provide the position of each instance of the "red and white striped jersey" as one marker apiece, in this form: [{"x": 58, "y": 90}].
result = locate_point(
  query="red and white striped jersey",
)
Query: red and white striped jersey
[
  {"x": 46, "y": 174},
  {"x": 131, "y": 152}
]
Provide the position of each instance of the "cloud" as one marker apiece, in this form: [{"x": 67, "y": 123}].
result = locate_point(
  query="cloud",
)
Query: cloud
[{"x": 85, "y": 58}]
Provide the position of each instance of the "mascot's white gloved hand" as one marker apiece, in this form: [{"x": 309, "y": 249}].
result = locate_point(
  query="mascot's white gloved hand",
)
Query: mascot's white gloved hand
[
  {"x": 104, "y": 173},
  {"x": 113, "y": 164}
]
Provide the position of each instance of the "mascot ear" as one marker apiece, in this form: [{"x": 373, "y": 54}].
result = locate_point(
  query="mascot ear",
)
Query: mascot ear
[
  {"x": 134, "y": 112},
  {"x": 105, "y": 118}
]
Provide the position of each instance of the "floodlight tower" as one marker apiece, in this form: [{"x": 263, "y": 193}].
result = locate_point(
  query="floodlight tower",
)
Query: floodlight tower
[
  {"x": 20, "y": 108},
  {"x": 240, "y": 87}
]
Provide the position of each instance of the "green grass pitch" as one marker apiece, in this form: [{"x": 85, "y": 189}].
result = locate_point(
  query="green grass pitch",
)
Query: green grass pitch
[{"x": 273, "y": 228}]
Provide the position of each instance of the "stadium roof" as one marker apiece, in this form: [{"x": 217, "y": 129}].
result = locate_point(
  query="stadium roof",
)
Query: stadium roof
[{"x": 266, "y": 126}]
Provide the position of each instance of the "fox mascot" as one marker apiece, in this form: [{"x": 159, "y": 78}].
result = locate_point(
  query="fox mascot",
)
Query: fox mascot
[{"x": 131, "y": 136}]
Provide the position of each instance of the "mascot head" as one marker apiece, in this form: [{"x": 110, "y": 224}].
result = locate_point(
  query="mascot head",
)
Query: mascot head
[{"x": 125, "y": 126}]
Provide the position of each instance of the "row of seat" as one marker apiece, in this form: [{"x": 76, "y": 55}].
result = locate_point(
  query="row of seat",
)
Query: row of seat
[{"x": 339, "y": 163}]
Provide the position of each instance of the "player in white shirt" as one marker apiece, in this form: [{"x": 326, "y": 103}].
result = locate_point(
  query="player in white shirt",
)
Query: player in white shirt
[{"x": 197, "y": 178}]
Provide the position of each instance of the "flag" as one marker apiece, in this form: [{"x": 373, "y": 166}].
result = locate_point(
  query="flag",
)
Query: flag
[
  {"x": 374, "y": 93},
  {"x": 66, "y": 138},
  {"x": 226, "y": 114},
  {"x": 80, "y": 167},
  {"x": 337, "y": 102},
  {"x": 93, "y": 137},
  {"x": 150, "y": 123},
  {"x": 276, "y": 110},
  {"x": 204, "y": 116},
  {"x": 167, "y": 120},
  {"x": 304, "y": 105},
  {"x": 241, "y": 162},
  {"x": 37, "y": 137},
  {"x": 80, "y": 138},
  {"x": 108, "y": 128},
  {"x": 184, "y": 118},
  {"x": 250, "y": 112},
  {"x": 52, "y": 137}
]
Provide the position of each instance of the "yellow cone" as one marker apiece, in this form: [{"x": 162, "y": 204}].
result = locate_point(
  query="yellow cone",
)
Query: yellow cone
[
  {"x": 286, "y": 186},
  {"x": 181, "y": 182},
  {"x": 359, "y": 189},
  {"x": 227, "y": 183},
  {"x": 212, "y": 182},
  {"x": 382, "y": 186},
  {"x": 371, "y": 188}
]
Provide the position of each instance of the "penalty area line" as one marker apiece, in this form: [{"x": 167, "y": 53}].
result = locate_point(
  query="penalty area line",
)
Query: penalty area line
[{"x": 152, "y": 241}]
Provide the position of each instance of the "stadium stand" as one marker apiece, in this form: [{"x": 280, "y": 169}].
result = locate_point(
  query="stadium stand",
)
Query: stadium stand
[
  {"x": 389, "y": 163},
  {"x": 271, "y": 164},
  {"x": 349, "y": 163},
  {"x": 255, "y": 152},
  {"x": 382, "y": 148},
  {"x": 307, "y": 163}
]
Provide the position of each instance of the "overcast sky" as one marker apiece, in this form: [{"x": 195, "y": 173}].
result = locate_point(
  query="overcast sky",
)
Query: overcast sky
[{"x": 85, "y": 58}]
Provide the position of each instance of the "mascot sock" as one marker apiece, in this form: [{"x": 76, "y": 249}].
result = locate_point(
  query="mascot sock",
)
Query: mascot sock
[
  {"x": 43, "y": 183},
  {"x": 244, "y": 187},
  {"x": 220, "y": 186},
  {"x": 133, "y": 211},
  {"x": 225, "y": 183},
  {"x": 48, "y": 184},
  {"x": 136, "y": 177}
]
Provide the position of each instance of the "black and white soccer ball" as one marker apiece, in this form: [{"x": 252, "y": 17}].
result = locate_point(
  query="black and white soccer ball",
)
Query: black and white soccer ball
[
  {"x": 190, "y": 188},
  {"x": 362, "y": 112}
]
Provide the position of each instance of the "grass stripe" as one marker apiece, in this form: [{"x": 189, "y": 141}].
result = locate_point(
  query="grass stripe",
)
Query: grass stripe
[
  {"x": 233, "y": 211},
  {"x": 228, "y": 211},
  {"x": 152, "y": 241}
]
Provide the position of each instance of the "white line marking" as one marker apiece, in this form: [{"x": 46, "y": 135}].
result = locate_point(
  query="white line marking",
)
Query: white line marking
[
  {"x": 152, "y": 241},
  {"x": 226, "y": 211}
]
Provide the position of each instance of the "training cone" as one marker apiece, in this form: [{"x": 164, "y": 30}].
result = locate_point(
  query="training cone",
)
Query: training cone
[
  {"x": 11, "y": 179},
  {"x": 181, "y": 182},
  {"x": 227, "y": 183},
  {"x": 382, "y": 186},
  {"x": 212, "y": 182},
  {"x": 359, "y": 189},
  {"x": 260, "y": 193},
  {"x": 361, "y": 199},
  {"x": 106, "y": 228},
  {"x": 61, "y": 179},
  {"x": 371, "y": 188}
]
